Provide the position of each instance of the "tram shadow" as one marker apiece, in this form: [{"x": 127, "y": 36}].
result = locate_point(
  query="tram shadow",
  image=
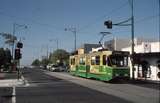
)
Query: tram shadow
[{"x": 137, "y": 82}]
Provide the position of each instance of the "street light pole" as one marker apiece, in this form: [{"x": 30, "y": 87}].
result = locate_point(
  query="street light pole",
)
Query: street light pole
[
  {"x": 14, "y": 31},
  {"x": 14, "y": 27},
  {"x": 56, "y": 40}
]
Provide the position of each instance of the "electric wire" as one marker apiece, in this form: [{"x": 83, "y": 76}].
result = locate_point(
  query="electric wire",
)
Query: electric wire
[{"x": 102, "y": 17}]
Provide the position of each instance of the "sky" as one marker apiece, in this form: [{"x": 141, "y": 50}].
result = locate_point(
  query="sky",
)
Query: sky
[{"x": 46, "y": 21}]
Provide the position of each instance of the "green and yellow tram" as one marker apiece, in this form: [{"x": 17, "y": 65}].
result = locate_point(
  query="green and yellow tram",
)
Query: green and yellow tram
[{"x": 103, "y": 65}]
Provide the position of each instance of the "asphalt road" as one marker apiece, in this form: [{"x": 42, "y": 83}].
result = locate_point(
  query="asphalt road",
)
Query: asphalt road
[{"x": 49, "y": 89}]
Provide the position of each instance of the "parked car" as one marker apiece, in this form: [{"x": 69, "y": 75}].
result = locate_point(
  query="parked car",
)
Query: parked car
[
  {"x": 54, "y": 68},
  {"x": 62, "y": 68},
  {"x": 49, "y": 66}
]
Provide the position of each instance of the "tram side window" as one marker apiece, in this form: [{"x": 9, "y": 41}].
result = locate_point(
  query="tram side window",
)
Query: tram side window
[
  {"x": 73, "y": 61},
  {"x": 82, "y": 61},
  {"x": 104, "y": 59},
  {"x": 97, "y": 60},
  {"x": 93, "y": 61}
]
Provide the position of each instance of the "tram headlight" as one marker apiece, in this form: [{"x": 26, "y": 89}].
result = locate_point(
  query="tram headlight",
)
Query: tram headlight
[
  {"x": 116, "y": 74},
  {"x": 126, "y": 75}
]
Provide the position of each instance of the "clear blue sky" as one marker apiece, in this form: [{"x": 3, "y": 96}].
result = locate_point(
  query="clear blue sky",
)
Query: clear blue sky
[{"x": 46, "y": 19}]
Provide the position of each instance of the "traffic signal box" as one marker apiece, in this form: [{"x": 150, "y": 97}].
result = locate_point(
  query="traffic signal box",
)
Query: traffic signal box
[
  {"x": 19, "y": 45},
  {"x": 108, "y": 24},
  {"x": 18, "y": 54}
]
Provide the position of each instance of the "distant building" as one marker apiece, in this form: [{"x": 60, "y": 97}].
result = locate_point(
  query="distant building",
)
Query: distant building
[
  {"x": 119, "y": 43},
  {"x": 88, "y": 47}
]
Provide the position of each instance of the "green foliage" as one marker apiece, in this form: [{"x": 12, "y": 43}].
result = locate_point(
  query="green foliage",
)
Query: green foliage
[
  {"x": 59, "y": 56},
  {"x": 2, "y": 57},
  {"x": 36, "y": 62},
  {"x": 9, "y": 38},
  {"x": 5, "y": 58},
  {"x": 8, "y": 56},
  {"x": 45, "y": 61}
]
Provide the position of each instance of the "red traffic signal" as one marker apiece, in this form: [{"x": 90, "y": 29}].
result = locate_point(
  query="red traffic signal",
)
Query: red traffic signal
[
  {"x": 108, "y": 24},
  {"x": 19, "y": 45},
  {"x": 18, "y": 54}
]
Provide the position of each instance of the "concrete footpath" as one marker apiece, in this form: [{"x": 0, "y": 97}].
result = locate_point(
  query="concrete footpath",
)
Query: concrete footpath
[
  {"x": 10, "y": 79},
  {"x": 8, "y": 82}
]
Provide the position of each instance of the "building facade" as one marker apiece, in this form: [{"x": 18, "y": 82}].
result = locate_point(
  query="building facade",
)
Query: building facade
[{"x": 147, "y": 60}]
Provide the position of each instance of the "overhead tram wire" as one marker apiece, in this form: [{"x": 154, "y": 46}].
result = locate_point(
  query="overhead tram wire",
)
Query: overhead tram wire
[
  {"x": 148, "y": 18},
  {"x": 102, "y": 17},
  {"x": 33, "y": 22}
]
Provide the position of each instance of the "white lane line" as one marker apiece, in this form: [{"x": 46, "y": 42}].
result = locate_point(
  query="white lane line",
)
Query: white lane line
[
  {"x": 14, "y": 95},
  {"x": 25, "y": 81}
]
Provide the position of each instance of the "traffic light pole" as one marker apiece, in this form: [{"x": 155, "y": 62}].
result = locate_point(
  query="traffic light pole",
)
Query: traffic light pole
[
  {"x": 18, "y": 67},
  {"x": 14, "y": 27},
  {"x": 123, "y": 23}
]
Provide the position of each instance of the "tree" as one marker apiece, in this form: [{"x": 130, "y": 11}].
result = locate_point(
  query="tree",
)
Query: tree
[
  {"x": 8, "y": 56},
  {"x": 36, "y": 62},
  {"x": 9, "y": 38},
  {"x": 5, "y": 58},
  {"x": 45, "y": 62},
  {"x": 2, "y": 57},
  {"x": 59, "y": 56}
]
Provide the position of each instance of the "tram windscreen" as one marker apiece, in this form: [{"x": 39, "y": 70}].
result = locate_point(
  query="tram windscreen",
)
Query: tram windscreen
[{"x": 118, "y": 61}]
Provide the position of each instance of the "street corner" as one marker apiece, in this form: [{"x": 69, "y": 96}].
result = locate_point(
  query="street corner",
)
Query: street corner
[
  {"x": 2, "y": 76},
  {"x": 11, "y": 83},
  {"x": 8, "y": 79}
]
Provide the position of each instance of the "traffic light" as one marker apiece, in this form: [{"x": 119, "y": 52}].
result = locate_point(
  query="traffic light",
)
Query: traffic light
[
  {"x": 19, "y": 45},
  {"x": 18, "y": 54},
  {"x": 108, "y": 24}
]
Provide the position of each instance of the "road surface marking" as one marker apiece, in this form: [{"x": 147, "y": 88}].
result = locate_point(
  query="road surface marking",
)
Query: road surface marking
[{"x": 14, "y": 95}]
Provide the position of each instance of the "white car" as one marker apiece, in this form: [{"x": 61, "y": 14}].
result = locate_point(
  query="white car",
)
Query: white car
[
  {"x": 49, "y": 66},
  {"x": 54, "y": 68}
]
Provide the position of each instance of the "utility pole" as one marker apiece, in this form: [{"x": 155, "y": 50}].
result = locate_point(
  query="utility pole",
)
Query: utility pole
[
  {"x": 16, "y": 60},
  {"x": 73, "y": 30},
  {"x": 123, "y": 23},
  {"x": 132, "y": 29},
  {"x": 47, "y": 51},
  {"x": 14, "y": 31},
  {"x": 57, "y": 42},
  {"x": 159, "y": 25},
  {"x": 14, "y": 27}
]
